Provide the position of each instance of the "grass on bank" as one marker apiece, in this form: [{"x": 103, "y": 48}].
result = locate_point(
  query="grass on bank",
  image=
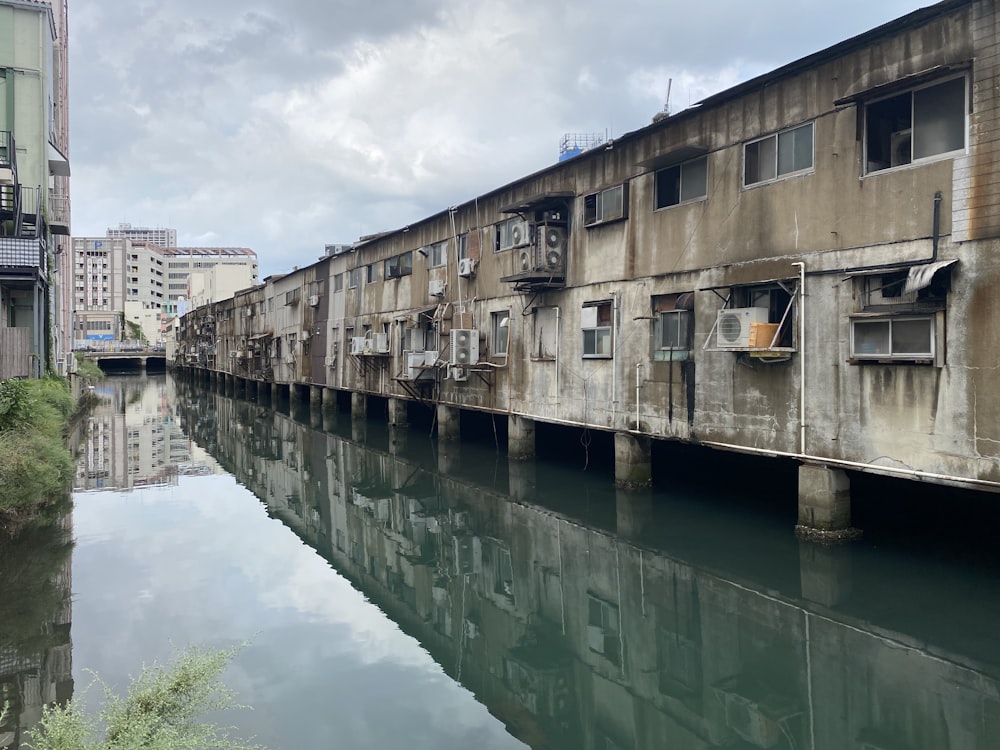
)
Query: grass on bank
[
  {"x": 35, "y": 467},
  {"x": 161, "y": 711}
]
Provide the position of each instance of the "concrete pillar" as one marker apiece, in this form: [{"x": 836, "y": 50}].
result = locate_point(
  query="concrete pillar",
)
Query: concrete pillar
[
  {"x": 520, "y": 438},
  {"x": 329, "y": 419},
  {"x": 633, "y": 510},
  {"x": 359, "y": 429},
  {"x": 448, "y": 423},
  {"x": 398, "y": 439},
  {"x": 398, "y": 412},
  {"x": 522, "y": 480},
  {"x": 633, "y": 462},
  {"x": 329, "y": 398},
  {"x": 275, "y": 393},
  {"x": 449, "y": 457},
  {"x": 359, "y": 406},
  {"x": 315, "y": 417},
  {"x": 315, "y": 396},
  {"x": 824, "y": 504},
  {"x": 294, "y": 393},
  {"x": 826, "y": 572},
  {"x": 251, "y": 386}
]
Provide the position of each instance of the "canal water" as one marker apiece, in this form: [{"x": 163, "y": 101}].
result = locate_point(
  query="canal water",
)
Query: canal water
[{"x": 393, "y": 592}]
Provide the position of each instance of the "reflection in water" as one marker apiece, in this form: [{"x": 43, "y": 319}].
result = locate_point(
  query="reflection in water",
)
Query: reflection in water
[
  {"x": 35, "y": 619},
  {"x": 663, "y": 623}
]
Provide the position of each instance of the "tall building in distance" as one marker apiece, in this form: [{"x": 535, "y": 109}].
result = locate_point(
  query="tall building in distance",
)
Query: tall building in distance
[
  {"x": 161, "y": 236},
  {"x": 120, "y": 281}
]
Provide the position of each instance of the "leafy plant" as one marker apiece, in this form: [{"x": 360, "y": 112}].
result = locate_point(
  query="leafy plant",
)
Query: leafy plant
[{"x": 161, "y": 711}]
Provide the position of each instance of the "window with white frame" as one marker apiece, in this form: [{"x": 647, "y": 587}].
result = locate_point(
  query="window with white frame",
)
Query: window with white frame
[
  {"x": 673, "y": 326},
  {"x": 786, "y": 153},
  {"x": 922, "y": 124},
  {"x": 900, "y": 316},
  {"x": 338, "y": 282},
  {"x": 682, "y": 183},
  {"x": 437, "y": 254},
  {"x": 606, "y": 205},
  {"x": 500, "y": 329},
  {"x": 400, "y": 265},
  {"x": 604, "y": 634},
  {"x": 595, "y": 322},
  {"x": 354, "y": 278}
]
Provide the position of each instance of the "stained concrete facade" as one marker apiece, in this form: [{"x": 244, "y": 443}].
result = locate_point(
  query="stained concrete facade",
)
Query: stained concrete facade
[{"x": 802, "y": 265}]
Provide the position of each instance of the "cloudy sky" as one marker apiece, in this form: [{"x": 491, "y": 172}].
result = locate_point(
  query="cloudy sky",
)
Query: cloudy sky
[{"x": 283, "y": 126}]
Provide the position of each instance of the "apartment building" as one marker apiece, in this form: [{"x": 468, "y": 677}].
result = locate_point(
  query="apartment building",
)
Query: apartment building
[
  {"x": 34, "y": 171},
  {"x": 802, "y": 266},
  {"x": 162, "y": 236}
]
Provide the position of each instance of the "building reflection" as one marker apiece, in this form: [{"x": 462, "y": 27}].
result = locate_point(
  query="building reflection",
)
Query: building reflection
[
  {"x": 134, "y": 438},
  {"x": 36, "y": 664},
  {"x": 647, "y": 624}
]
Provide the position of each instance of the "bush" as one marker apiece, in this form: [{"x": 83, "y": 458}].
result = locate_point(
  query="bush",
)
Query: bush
[
  {"x": 87, "y": 370},
  {"x": 35, "y": 466},
  {"x": 161, "y": 711}
]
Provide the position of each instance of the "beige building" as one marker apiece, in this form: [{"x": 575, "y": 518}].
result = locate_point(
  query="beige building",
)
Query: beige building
[
  {"x": 161, "y": 236},
  {"x": 801, "y": 266}
]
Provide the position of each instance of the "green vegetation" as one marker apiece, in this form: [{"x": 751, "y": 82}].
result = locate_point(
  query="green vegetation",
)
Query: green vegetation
[
  {"x": 87, "y": 369},
  {"x": 35, "y": 466},
  {"x": 134, "y": 331},
  {"x": 160, "y": 712}
]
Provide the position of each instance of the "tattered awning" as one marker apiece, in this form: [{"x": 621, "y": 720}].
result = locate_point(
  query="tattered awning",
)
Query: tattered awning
[
  {"x": 918, "y": 275},
  {"x": 58, "y": 163}
]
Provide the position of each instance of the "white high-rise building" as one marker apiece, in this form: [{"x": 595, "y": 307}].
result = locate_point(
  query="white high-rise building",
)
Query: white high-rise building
[{"x": 158, "y": 236}]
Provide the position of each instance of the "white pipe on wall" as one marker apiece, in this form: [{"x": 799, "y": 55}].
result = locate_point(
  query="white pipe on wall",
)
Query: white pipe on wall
[{"x": 802, "y": 356}]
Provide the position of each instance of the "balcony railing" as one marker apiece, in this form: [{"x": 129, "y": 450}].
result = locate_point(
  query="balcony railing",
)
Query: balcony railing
[
  {"x": 58, "y": 213},
  {"x": 17, "y": 252}
]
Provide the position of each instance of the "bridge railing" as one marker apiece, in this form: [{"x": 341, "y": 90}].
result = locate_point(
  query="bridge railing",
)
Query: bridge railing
[{"x": 128, "y": 345}]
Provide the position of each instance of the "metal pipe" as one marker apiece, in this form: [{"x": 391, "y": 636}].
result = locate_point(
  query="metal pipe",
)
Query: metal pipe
[
  {"x": 845, "y": 464},
  {"x": 936, "y": 232},
  {"x": 802, "y": 355},
  {"x": 638, "y": 367}
]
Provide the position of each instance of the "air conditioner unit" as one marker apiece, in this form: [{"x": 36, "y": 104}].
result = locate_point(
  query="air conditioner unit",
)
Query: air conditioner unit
[
  {"x": 526, "y": 259},
  {"x": 381, "y": 343},
  {"x": 232, "y": 354},
  {"x": 745, "y": 718},
  {"x": 430, "y": 358},
  {"x": 313, "y": 300},
  {"x": 436, "y": 287},
  {"x": 289, "y": 359},
  {"x": 470, "y": 629},
  {"x": 733, "y": 327},
  {"x": 358, "y": 345},
  {"x": 552, "y": 248},
  {"x": 464, "y": 347},
  {"x": 306, "y": 335},
  {"x": 249, "y": 312},
  {"x": 520, "y": 233},
  {"x": 467, "y": 267},
  {"x": 330, "y": 361},
  {"x": 414, "y": 364},
  {"x": 368, "y": 347}
]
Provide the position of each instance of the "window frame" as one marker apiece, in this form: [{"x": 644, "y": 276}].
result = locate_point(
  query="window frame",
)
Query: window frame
[
  {"x": 398, "y": 266},
  {"x": 601, "y": 329},
  {"x": 777, "y": 138},
  {"x": 354, "y": 278},
  {"x": 913, "y": 126},
  {"x": 594, "y": 212},
  {"x": 672, "y": 307},
  {"x": 661, "y": 174},
  {"x": 437, "y": 254},
  {"x": 891, "y": 319},
  {"x": 500, "y": 321}
]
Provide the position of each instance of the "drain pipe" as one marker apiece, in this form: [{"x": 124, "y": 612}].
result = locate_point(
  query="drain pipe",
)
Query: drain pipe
[
  {"x": 638, "y": 369},
  {"x": 802, "y": 356},
  {"x": 937, "y": 226}
]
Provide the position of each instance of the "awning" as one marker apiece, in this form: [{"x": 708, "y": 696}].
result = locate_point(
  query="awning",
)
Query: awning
[
  {"x": 58, "y": 164},
  {"x": 672, "y": 157},
  {"x": 920, "y": 277},
  {"x": 541, "y": 202}
]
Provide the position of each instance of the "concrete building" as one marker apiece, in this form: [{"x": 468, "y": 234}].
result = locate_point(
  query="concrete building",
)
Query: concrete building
[
  {"x": 800, "y": 266},
  {"x": 161, "y": 236},
  {"x": 34, "y": 171},
  {"x": 120, "y": 279}
]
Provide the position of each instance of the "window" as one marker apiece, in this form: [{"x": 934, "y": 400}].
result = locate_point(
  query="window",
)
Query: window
[
  {"x": 777, "y": 299},
  {"x": 401, "y": 265},
  {"x": 511, "y": 233},
  {"x": 500, "y": 328},
  {"x": 893, "y": 337},
  {"x": 682, "y": 183},
  {"x": 463, "y": 245},
  {"x": 371, "y": 273},
  {"x": 673, "y": 326},
  {"x": 778, "y": 155},
  {"x": 437, "y": 254},
  {"x": 595, "y": 320},
  {"x": 292, "y": 296},
  {"x": 354, "y": 278},
  {"x": 338, "y": 282},
  {"x": 604, "y": 629},
  {"x": 605, "y": 206},
  {"x": 921, "y": 124},
  {"x": 899, "y": 314}
]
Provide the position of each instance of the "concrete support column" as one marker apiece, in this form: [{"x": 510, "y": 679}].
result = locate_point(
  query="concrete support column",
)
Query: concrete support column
[
  {"x": 275, "y": 393},
  {"x": 633, "y": 510},
  {"x": 448, "y": 423},
  {"x": 329, "y": 398},
  {"x": 398, "y": 412},
  {"x": 359, "y": 406},
  {"x": 251, "y": 389},
  {"x": 398, "y": 438},
  {"x": 294, "y": 393},
  {"x": 826, "y": 572},
  {"x": 329, "y": 419},
  {"x": 522, "y": 479},
  {"x": 449, "y": 457},
  {"x": 520, "y": 438},
  {"x": 315, "y": 396},
  {"x": 633, "y": 462},
  {"x": 824, "y": 504}
]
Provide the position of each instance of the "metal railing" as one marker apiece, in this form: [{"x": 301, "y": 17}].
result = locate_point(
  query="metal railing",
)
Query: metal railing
[
  {"x": 126, "y": 346},
  {"x": 23, "y": 252}
]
